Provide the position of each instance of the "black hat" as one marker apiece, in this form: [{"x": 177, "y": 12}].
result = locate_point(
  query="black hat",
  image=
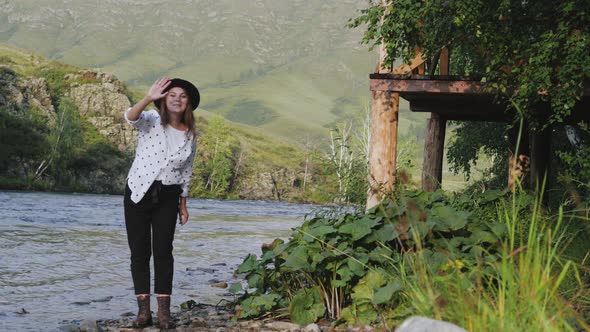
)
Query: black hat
[{"x": 188, "y": 87}]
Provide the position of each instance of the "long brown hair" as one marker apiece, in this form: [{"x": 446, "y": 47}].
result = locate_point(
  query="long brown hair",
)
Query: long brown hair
[{"x": 187, "y": 117}]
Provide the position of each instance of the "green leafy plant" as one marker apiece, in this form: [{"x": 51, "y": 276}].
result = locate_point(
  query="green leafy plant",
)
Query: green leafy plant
[{"x": 351, "y": 261}]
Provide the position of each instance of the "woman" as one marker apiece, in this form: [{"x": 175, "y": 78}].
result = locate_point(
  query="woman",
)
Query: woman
[{"x": 157, "y": 187}]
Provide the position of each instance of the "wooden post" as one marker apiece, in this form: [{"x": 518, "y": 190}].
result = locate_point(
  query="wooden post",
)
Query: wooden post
[
  {"x": 444, "y": 61},
  {"x": 540, "y": 152},
  {"x": 383, "y": 145},
  {"x": 434, "y": 146},
  {"x": 434, "y": 143}
]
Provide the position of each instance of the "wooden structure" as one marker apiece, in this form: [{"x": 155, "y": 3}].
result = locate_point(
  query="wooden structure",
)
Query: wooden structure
[{"x": 445, "y": 98}]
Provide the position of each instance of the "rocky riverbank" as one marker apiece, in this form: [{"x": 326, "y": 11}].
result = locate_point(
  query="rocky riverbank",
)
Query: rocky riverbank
[
  {"x": 210, "y": 318},
  {"x": 204, "y": 317}
]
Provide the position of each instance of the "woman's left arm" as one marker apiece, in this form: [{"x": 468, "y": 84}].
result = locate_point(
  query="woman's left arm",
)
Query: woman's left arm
[
  {"x": 183, "y": 212},
  {"x": 187, "y": 175}
]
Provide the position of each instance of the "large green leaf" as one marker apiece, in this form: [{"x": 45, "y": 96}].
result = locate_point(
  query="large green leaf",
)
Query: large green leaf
[
  {"x": 306, "y": 306},
  {"x": 271, "y": 251},
  {"x": 447, "y": 218},
  {"x": 385, "y": 293},
  {"x": 381, "y": 255},
  {"x": 321, "y": 231},
  {"x": 256, "y": 280},
  {"x": 382, "y": 234},
  {"x": 248, "y": 265},
  {"x": 297, "y": 260},
  {"x": 235, "y": 288},
  {"x": 359, "y": 228}
]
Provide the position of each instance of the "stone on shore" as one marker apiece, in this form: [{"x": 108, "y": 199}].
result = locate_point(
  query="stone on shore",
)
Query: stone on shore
[
  {"x": 89, "y": 325},
  {"x": 423, "y": 324}
]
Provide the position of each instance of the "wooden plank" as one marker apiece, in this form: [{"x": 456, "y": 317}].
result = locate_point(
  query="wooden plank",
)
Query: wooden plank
[
  {"x": 427, "y": 86},
  {"x": 383, "y": 145},
  {"x": 416, "y": 64},
  {"x": 433, "y": 153},
  {"x": 443, "y": 61}
]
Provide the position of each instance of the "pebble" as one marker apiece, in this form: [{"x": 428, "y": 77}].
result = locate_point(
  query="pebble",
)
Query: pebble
[
  {"x": 419, "y": 324},
  {"x": 219, "y": 284},
  {"x": 89, "y": 325},
  {"x": 311, "y": 328},
  {"x": 282, "y": 326}
]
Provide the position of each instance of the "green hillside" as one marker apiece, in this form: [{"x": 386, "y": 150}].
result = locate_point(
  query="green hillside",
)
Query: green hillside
[
  {"x": 41, "y": 127},
  {"x": 289, "y": 68}
]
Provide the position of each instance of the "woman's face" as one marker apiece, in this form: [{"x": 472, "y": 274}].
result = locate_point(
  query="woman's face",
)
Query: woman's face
[{"x": 176, "y": 100}]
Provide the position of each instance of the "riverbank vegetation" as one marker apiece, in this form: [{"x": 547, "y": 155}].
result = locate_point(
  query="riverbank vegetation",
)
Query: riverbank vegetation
[
  {"x": 493, "y": 261},
  {"x": 485, "y": 258}
]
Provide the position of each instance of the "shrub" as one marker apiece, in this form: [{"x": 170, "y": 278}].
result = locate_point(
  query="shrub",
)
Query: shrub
[{"x": 458, "y": 258}]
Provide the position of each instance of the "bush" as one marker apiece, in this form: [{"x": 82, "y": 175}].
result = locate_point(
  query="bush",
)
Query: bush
[{"x": 452, "y": 257}]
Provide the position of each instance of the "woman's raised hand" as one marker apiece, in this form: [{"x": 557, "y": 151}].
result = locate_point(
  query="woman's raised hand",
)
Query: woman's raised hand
[{"x": 156, "y": 91}]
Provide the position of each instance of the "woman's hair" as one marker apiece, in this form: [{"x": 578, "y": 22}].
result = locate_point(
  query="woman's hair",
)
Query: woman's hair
[{"x": 187, "y": 118}]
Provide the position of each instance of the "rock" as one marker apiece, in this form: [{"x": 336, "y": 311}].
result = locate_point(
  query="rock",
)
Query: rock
[
  {"x": 89, "y": 325},
  {"x": 104, "y": 299},
  {"x": 201, "y": 269},
  {"x": 282, "y": 326},
  {"x": 69, "y": 328},
  {"x": 219, "y": 284},
  {"x": 22, "y": 311},
  {"x": 81, "y": 302},
  {"x": 276, "y": 184},
  {"x": 424, "y": 324},
  {"x": 311, "y": 328},
  {"x": 36, "y": 95},
  {"x": 101, "y": 99},
  {"x": 199, "y": 323}
]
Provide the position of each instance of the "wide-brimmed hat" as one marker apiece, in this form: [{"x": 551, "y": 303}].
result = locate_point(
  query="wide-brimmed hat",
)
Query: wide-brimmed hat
[{"x": 188, "y": 87}]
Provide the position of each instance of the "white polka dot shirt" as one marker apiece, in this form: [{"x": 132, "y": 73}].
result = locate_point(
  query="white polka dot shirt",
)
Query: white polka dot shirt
[{"x": 153, "y": 160}]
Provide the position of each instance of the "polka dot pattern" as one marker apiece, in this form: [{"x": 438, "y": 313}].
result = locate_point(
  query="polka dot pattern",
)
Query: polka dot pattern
[{"x": 152, "y": 159}]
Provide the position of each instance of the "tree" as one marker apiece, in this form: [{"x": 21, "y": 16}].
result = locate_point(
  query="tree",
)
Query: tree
[
  {"x": 215, "y": 160},
  {"x": 526, "y": 51},
  {"x": 22, "y": 142}
]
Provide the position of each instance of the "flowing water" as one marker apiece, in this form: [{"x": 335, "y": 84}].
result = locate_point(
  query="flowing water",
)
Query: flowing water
[{"x": 64, "y": 257}]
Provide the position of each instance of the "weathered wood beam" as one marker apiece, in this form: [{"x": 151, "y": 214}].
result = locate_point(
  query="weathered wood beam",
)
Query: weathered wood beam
[
  {"x": 433, "y": 152},
  {"x": 434, "y": 143},
  {"x": 443, "y": 61},
  {"x": 427, "y": 86},
  {"x": 383, "y": 142},
  {"x": 383, "y": 145}
]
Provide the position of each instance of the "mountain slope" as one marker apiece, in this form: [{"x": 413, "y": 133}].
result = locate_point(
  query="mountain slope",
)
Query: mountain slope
[{"x": 291, "y": 68}]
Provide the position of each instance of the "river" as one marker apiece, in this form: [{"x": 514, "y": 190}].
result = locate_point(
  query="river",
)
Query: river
[{"x": 64, "y": 257}]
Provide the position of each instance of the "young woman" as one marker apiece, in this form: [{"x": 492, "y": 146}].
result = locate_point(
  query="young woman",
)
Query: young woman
[{"x": 157, "y": 187}]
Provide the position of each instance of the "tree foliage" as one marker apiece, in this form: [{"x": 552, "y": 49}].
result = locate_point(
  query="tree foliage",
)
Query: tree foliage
[
  {"x": 214, "y": 165},
  {"x": 527, "y": 51},
  {"x": 534, "y": 56},
  {"x": 23, "y": 142}
]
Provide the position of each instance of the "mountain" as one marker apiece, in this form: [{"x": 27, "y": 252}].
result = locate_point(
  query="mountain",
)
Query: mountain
[
  {"x": 287, "y": 68},
  {"x": 62, "y": 129}
]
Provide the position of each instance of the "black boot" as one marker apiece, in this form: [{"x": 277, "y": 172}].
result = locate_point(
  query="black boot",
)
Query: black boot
[
  {"x": 144, "y": 316},
  {"x": 164, "y": 319}
]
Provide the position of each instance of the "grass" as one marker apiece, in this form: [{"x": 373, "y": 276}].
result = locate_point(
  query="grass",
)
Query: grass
[{"x": 523, "y": 291}]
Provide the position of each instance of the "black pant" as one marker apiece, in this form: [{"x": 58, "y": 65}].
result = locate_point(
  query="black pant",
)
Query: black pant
[{"x": 152, "y": 221}]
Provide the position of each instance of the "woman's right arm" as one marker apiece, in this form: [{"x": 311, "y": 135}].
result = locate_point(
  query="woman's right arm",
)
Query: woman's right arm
[{"x": 155, "y": 93}]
